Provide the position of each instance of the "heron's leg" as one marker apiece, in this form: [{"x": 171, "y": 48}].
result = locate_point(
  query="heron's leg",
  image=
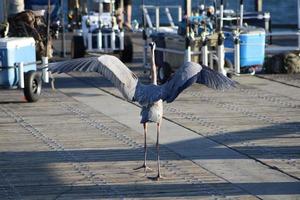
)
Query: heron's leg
[
  {"x": 145, "y": 143},
  {"x": 159, "y": 176},
  {"x": 145, "y": 150},
  {"x": 157, "y": 148}
]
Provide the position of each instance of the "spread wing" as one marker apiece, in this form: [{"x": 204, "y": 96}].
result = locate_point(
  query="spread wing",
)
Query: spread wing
[
  {"x": 109, "y": 66},
  {"x": 188, "y": 74},
  {"x": 127, "y": 82},
  {"x": 191, "y": 73}
]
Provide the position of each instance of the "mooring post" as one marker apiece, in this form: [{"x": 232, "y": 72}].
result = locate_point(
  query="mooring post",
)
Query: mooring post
[
  {"x": 258, "y": 5},
  {"x": 204, "y": 52},
  {"x": 187, "y": 54},
  {"x": 221, "y": 49},
  {"x": 21, "y": 74},
  {"x": 112, "y": 39},
  {"x": 237, "y": 54},
  {"x": 63, "y": 39},
  {"x": 145, "y": 49},
  {"x": 45, "y": 72},
  {"x": 298, "y": 24},
  {"x": 221, "y": 53},
  {"x": 221, "y": 15},
  {"x": 241, "y": 12}
]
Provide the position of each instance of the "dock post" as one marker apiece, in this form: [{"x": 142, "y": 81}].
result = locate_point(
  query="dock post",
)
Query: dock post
[
  {"x": 204, "y": 52},
  {"x": 237, "y": 55},
  {"x": 258, "y": 5},
  {"x": 187, "y": 54},
  {"x": 21, "y": 74},
  {"x": 221, "y": 49},
  {"x": 45, "y": 73},
  {"x": 298, "y": 24},
  {"x": 99, "y": 34},
  {"x": 145, "y": 48},
  {"x": 221, "y": 15},
  {"x": 221, "y": 54},
  {"x": 188, "y": 10},
  {"x": 121, "y": 36},
  {"x": 179, "y": 14},
  {"x": 113, "y": 40},
  {"x": 241, "y": 12},
  {"x": 63, "y": 34}
]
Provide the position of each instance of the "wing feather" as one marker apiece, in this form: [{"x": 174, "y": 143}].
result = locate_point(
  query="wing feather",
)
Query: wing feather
[
  {"x": 109, "y": 66},
  {"x": 214, "y": 80},
  {"x": 127, "y": 82},
  {"x": 191, "y": 73}
]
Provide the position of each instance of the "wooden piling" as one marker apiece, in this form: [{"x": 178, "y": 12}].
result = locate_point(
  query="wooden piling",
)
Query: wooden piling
[{"x": 258, "y": 5}]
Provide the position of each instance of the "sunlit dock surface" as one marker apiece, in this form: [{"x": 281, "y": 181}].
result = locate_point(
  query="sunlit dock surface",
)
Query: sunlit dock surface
[{"x": 82, "y": 141}]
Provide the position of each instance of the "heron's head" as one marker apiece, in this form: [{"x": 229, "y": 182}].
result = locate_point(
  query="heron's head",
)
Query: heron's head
[{"x": 152, "y": 46}]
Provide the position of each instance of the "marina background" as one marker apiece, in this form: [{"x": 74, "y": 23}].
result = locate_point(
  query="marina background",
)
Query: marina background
[{"x": 283, "y": 12}]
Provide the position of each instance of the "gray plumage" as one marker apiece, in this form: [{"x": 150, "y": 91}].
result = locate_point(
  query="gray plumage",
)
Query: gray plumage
[
  {"x": 133, "y": 90},
  {"x": 150, "y": 96},
  {"x": 152, "y": 112}
]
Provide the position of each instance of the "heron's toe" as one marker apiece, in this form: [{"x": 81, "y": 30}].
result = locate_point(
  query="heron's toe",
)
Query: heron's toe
[{"x": 145, "y": 167}]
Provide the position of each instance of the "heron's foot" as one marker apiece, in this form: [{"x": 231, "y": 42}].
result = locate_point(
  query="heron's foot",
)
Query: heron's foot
[
  {"x": 144, "y": 166},
  {"x": 157, "y": 178}
]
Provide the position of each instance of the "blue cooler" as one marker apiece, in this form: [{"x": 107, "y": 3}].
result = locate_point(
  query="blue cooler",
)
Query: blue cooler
[
  {"x": 12, "y": 51},
  {"x": 252, "y": 46}
]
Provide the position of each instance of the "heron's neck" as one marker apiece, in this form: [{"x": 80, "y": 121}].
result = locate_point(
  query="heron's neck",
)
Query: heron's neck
[{"x": 153, "y": 69}]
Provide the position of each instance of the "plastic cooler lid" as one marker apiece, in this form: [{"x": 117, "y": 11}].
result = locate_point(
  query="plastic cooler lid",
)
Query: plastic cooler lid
[
  {"x": 16, "y": 42},
  {"x": 253, "y": 30}
]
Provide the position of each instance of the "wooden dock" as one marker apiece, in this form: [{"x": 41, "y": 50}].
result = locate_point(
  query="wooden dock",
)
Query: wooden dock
[{"x": 83, "y": 141}]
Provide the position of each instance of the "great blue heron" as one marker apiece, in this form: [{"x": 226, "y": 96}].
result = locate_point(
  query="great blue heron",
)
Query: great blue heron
[{"x": 150, "y": 96}]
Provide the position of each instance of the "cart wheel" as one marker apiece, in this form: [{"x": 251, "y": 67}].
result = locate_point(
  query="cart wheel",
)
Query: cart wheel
[
  {"x": 164, "y": 72},
  {"x": 77, "y": 47},
  {"x": 33, "y": 86},
  {"x": 127, "y": 54},
  {"x": 251, "y": 71}
]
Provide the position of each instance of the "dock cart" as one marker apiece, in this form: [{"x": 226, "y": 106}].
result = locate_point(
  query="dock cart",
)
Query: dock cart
[
  {"x": 18, "y": 67},
  {"x": 222, "y": 42},
  {"x": 180, "y": 42},
  {"x": 171, "y": 53},
  {"x": 100, "y": 33}
]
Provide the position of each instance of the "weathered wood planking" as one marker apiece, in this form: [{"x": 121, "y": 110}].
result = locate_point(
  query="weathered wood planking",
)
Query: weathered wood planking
[{"x": 47, "y": 151}]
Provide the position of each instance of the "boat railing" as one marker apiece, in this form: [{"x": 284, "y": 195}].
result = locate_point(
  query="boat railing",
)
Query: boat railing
[
  {"x": 166, "y": 10},
  {"x": 277, "y": 48}
]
